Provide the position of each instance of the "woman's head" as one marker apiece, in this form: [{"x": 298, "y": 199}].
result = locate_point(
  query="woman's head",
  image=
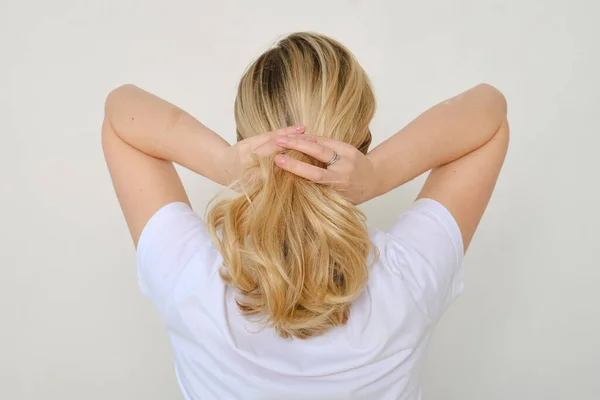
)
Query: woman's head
[
  {"x": 295, "y": 251},
  {"x": 307, "y": 79}
]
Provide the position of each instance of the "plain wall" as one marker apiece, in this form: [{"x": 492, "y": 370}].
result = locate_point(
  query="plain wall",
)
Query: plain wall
[{"x": 73, "y": 323}]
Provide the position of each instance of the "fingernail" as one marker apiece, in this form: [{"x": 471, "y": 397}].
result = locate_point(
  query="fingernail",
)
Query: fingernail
[
  {"x": 281, "y": 139},
  {"x": 279, "y": 159},
  {"x": 300, "y": 128}
]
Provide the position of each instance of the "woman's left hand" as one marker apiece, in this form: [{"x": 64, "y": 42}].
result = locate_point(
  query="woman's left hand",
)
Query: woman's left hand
[{"x": 235, "y": 158}]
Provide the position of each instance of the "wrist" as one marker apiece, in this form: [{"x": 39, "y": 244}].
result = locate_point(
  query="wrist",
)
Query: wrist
[
  {"x": 375, "y": 189},
  {"x": 223, "y": 174}
]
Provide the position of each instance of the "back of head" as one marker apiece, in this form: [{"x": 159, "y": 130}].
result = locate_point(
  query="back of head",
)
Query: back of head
[{"x": 296, "y": 251}]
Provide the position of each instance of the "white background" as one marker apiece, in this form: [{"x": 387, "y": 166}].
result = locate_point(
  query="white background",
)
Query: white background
[{"x": 73, "y": 324}]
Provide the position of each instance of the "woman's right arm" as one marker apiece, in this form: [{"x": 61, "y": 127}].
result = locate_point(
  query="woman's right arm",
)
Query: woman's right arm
[{"x": 463, "y": 141}]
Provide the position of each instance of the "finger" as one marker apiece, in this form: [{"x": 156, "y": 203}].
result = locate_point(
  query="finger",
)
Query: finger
[
  {"x": 271, "y": 147},
  {"x": 290, "y": 130},
  {"x": 268, "y": 148},
  {"x": 304, "y": 170},
  {"x": 255, "y": 142},
  {"x": 342, "y": 148},
  {"x": 313, "y": 149},
  {"x": 298, "y": 135},
  {"x": 304, "y": 137}
]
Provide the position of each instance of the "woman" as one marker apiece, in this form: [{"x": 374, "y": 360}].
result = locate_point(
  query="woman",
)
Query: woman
[{"x": 282, "y": 291}]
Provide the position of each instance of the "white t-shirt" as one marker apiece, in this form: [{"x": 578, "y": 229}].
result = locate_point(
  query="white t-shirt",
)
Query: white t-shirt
[{"x": 219, "y": 354}]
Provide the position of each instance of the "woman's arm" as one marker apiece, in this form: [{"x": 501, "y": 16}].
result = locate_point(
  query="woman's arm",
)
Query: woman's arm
[
  {"x": 141, "y": 137},
  {"x": 442, "y": 134},
  {"x": 438, "y": 136},
  {"x": 165, "y": 131},
  {"x": 464, "y": 140}
]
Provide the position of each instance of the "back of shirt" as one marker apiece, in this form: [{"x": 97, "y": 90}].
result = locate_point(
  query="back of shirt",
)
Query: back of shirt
[{"x": 220, "y": 354}]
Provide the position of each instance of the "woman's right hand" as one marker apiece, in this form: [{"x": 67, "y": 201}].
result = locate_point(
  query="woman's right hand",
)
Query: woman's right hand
[{"x": 353, "y": 175}]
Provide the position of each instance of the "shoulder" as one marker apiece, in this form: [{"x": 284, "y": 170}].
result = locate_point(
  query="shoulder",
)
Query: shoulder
[
  {"x": 174, "y": 242},
  {"x": 422, "y": 252}
]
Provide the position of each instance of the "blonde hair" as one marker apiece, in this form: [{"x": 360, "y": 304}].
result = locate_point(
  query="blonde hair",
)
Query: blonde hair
[{"x": 295, "y": 251}]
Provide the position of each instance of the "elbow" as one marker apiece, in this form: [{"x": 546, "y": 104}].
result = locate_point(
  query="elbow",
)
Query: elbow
[
  {"x": 115, "y": 97},
  {"x": 496, "y": 100},
  {"x": 494, "y": 95},
  {"x": 114, "y": 100}
]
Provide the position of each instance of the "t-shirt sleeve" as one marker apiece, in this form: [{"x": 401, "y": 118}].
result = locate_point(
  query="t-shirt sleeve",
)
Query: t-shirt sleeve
[
  {"x": 172, "y": 236},
  {"x": 425, "y": 248}
]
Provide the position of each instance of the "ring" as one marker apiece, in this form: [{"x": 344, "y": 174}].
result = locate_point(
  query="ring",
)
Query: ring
[{"x": 334, "y": 158}]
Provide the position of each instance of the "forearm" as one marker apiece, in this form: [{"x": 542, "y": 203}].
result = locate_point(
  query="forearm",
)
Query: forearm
[
  {"x": 440, "y": 135},
  {"x": 163, "y": 130}
]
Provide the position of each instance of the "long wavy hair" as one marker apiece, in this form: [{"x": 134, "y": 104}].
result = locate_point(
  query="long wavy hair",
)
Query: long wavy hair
[{"x": 295, "y": 251}]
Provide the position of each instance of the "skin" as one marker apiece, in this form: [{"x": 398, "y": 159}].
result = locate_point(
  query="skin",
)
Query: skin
[
  {"x": 143, "y": 135},
  {"x": 463, "y": 141}
]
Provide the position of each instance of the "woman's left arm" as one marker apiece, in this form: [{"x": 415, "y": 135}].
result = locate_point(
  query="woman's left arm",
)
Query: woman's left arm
[{"x": 142, "y": 135}]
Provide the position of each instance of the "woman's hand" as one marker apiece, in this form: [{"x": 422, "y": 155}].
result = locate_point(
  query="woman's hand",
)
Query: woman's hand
[
  {"x": 235, "y": 158},
  {"x": 353, "y": 175}
]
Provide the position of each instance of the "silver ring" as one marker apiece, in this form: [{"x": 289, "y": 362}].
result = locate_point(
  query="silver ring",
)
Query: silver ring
[{"x": 335, "y": 157}]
